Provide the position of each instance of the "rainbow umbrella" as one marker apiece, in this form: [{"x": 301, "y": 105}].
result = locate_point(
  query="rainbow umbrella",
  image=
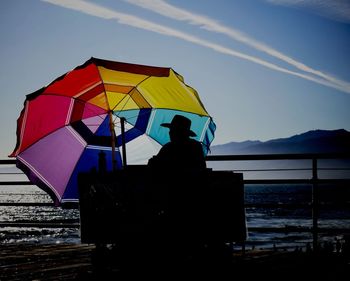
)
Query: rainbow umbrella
[{"x": 64, "y": 126}]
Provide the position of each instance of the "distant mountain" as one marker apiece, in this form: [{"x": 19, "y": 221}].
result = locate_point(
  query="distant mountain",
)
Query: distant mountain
[{"x": 316, "y": 141}]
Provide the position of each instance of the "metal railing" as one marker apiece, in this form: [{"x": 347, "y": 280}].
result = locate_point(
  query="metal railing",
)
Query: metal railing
[{"x": 314, "y": 180}]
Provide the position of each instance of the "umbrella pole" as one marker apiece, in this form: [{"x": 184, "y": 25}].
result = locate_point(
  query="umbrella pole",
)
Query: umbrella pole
[
  {"x": 111, "y": 128},
  {"x": 122, "y": 125}
]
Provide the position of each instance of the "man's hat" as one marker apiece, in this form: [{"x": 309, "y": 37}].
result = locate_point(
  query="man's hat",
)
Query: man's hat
[{"x": 180, "y": 123}]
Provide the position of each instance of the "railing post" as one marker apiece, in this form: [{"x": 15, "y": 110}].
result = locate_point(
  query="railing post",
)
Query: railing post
[{"x": 315, "y": 207}]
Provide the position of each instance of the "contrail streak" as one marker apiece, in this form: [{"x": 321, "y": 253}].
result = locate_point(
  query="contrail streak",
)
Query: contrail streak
[
  {"x": 126, "y": 19},
  {"x": 168, "y": 10}
]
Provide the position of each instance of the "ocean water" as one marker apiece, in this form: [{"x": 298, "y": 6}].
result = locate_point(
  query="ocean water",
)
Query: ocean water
[
  {"x": 337, "y": 216},
  {"x": 334, "y": 213},
  {"x": 19, "y": 194}
]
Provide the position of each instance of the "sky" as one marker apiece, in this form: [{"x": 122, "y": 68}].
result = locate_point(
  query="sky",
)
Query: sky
[{"x": 263, "y": 69}]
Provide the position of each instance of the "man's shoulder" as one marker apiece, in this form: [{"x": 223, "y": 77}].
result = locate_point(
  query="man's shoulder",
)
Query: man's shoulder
[{"x": 195, "y": 142}]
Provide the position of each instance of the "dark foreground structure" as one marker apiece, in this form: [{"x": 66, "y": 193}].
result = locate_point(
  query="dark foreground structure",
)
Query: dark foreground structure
[
  {"x": 98, "y": 259},
  {"x": 76, "y": 262}
]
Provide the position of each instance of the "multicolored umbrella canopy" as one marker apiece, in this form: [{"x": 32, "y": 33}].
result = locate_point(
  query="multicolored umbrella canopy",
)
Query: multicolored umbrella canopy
[{"x": 64, "y": 126}]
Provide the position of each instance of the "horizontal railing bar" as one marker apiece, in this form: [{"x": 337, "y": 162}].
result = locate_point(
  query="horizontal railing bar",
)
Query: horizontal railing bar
[
  {"x": 277, "y": 181},
  {"x": 296, "y": 181},
  {"x": 27, "y": 204},
  {"x": 336, "y": 181},
  {"x": 290, "y": 169},
  {"x": 333, "y": 169},
  {"x": 298, "y": 229},
  {"x": 296, "y": 156},
  {"x": 296, "y": 205},
  {"x": 16, "y": 183},
  {"x": 273, "y": 170},
  {"x": 277, "y": 205},
  {"x": 7, "y": 161}
]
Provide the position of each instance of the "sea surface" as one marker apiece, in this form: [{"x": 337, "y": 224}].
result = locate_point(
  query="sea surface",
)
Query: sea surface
[{"x": 334, "y": 216}]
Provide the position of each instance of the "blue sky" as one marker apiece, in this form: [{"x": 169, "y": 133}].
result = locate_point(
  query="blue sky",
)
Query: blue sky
[{"x": 263, "y": 68}]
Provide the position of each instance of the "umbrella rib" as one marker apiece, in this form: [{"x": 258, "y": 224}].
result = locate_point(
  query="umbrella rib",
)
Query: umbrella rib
[
  {"x": 24, "y": 123},
  {"x": 103, "y": 85},
  {"x": 85, "y": 102},
  {"x": 40, "y": 176},
  {"x": 76, "y": 99},
  {"x": 131, "y": 117},
  {"x": 127, "y": 96},
  {"x": 59, "y": 127},
  {"x": 130, "y": 93}
]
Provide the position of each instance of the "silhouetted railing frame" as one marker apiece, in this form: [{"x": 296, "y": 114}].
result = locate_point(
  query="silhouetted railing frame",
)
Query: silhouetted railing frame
[{"x": 314, "y": 181}]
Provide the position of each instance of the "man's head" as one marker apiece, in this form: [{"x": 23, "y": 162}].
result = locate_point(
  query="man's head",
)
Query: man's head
[{"x": 180, "y": 126}]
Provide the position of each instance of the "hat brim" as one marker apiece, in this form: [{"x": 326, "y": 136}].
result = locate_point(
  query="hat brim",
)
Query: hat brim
[{"x": 168, "y": 125}]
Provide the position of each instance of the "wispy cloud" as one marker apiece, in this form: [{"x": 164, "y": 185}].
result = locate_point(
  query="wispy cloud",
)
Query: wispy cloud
[
  {"x": 168, "y": 10},
  {"x": 338, "y": 10},
  {"x": 137, "y": 22}
]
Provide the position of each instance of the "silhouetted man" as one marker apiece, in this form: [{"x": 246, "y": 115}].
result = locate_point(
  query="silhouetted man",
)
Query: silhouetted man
[
  {"x": 178, "y": 182},
  {"x": 182, "y": 152}
]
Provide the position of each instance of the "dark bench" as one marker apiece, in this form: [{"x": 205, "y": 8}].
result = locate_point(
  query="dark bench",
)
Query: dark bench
[{"x": 135, "y": 204}]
